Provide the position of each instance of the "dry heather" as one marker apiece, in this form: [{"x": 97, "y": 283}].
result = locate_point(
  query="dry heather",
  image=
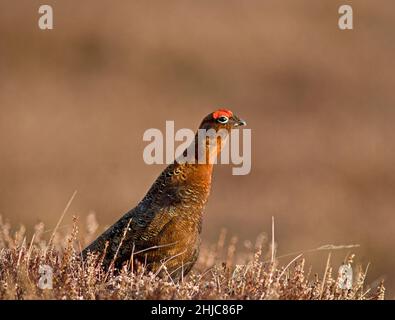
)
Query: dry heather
[{"x": 258, "y": 278}]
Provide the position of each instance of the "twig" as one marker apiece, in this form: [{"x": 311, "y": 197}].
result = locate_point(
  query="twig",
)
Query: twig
[
  {"x": 119, "y": 247},
  {"x": 322, "y": 248},
  {"x": 272, "y": 260},
  {"x": 60, "y": 219},
  {"x": 287, "y": 266},
  {"x": 326, "y": 270}
]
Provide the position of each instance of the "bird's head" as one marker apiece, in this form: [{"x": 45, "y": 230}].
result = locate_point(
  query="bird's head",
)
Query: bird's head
[
  {"x": 213, "y": 132},
  {"x": 221, "y": 119}
]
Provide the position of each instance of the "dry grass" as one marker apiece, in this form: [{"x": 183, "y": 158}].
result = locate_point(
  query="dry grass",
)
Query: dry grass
[{"x": 216, "y": 276}]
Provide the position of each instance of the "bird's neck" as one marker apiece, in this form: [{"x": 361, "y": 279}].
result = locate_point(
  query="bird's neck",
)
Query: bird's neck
[
  {"x": 201, "y": 156},
  {"x": 205, "y": 150}
]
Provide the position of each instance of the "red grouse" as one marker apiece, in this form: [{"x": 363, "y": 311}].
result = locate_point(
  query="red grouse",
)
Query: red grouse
[{"x": 164, "y": 228}]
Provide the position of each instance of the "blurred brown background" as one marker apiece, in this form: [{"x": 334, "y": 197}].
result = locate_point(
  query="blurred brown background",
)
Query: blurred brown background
[{"x": 75, "y": 102}]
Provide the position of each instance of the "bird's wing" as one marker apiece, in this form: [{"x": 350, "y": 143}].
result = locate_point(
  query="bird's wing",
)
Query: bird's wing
[{"x": 143, "y": 223}]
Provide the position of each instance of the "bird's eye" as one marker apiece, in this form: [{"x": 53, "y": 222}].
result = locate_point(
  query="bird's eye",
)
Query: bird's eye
[{"x": 223, "y": 119}]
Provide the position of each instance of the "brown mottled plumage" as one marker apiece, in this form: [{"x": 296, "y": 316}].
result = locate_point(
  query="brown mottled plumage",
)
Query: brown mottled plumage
[{"x": 164, "y": 228}]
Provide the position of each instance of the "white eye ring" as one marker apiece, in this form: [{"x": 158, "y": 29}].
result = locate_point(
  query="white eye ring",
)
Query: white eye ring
[{"x": 223, "y": 119}]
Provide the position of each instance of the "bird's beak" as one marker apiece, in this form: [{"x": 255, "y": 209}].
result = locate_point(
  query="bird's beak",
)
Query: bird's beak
[{"x": 240, "y": 123}]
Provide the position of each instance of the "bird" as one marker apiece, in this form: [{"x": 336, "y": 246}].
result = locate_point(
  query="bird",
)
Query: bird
[{"x": 163, "y": 232}]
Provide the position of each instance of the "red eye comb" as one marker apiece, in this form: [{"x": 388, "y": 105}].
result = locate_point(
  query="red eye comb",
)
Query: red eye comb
[{"x": 221, "y": 113}]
